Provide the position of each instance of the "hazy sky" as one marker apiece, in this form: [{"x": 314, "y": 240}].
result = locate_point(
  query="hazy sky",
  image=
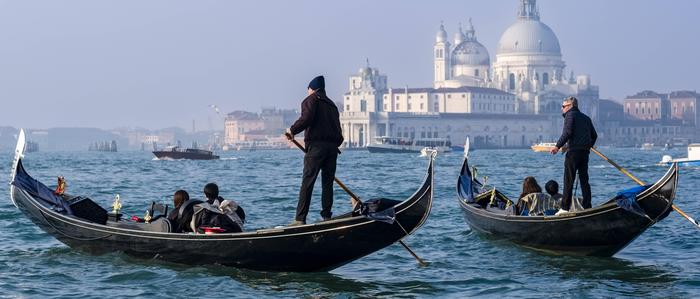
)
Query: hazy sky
[{"x": 156, "y": 64}]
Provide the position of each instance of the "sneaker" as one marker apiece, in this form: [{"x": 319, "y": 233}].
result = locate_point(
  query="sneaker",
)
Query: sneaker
[
  {"x": 561, "y": 212},
  {"x": 297, "y": 223},
  {"x": 325, "y": 219}
]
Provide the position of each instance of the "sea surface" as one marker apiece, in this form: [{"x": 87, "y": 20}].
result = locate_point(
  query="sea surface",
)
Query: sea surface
[{"x": 662, "y": 262}]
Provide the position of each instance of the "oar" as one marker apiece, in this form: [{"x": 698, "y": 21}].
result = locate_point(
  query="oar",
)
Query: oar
[
  {"x": 675, "y": 208},
  {"x": 356, "y": 200}
]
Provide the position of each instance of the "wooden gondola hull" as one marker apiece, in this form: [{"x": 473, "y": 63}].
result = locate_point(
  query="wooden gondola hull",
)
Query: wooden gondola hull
[
  {"x": 317, "y": 247},
  {"x": 601, "y": 231}
]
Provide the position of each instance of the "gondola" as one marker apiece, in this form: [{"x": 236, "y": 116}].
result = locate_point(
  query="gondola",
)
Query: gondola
[
  {"x": 313, "y": 247},
  {"x": 600, "y": 231}
]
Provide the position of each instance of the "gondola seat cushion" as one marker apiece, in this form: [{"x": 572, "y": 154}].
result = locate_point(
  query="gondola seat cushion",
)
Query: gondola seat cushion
[{"x": 162, "y": 225}]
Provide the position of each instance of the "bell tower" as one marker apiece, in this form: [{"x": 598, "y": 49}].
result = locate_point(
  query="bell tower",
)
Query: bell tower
[{"x": 441, "y": 55}]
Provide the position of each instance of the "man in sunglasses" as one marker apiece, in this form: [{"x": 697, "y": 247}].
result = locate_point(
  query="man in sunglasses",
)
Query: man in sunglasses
[{"x": 580, "y": 135}]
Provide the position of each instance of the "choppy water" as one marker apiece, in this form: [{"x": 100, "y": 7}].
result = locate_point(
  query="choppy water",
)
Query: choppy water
[{"x": 663, "y": 262}]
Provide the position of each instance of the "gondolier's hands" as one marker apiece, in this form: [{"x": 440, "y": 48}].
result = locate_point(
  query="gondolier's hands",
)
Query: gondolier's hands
[
  {"x": 554, "y": 150},
  {"x": 288, "y": 134}
]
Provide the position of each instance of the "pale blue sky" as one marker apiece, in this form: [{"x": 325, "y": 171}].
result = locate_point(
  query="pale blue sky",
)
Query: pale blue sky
[{"x": 161, "y": 63}]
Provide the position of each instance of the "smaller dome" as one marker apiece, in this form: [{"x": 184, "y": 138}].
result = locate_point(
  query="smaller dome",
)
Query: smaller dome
[{"x": 470, "y": 52}]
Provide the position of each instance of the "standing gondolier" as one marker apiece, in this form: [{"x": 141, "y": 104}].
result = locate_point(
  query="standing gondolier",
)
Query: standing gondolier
[
  {"x": 320, "y": 121},
  {"x": 580, "y": 135}
]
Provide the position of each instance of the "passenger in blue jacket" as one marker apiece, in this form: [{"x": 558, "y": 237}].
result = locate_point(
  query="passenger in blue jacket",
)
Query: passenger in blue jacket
[{"x": 580, "y": 135}]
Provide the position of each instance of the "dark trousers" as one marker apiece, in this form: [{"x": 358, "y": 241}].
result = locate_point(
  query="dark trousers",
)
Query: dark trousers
[
  {"x": 320, "y": 156},
  {"x": 576, "y": 161}
]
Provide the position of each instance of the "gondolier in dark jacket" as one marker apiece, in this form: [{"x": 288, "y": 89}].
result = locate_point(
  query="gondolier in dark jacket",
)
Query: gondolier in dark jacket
[
  {"x": 320, "y": 121},
  {"x": 580, "y": 135}
]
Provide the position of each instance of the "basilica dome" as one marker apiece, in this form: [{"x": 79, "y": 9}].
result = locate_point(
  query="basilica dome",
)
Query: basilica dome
[{"x": 528, "y": 36}]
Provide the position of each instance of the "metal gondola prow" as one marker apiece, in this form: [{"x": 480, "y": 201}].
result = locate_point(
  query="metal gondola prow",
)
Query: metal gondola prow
[
  {"x": 19, "y": 154},
  {"x": 466, "y": 148}
]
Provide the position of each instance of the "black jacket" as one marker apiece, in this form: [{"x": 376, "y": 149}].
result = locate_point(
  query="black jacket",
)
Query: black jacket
[
  {"x": 578, "y": 131},
  {"x": 320, "y": 120}
]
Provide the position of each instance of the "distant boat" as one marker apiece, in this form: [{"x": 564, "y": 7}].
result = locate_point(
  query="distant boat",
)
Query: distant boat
[
  {"x": 543, "y": 146},
  {"x": 647, "y": 146},
  {"x": 693, "y": 158},
  {"x": 387, "y": 144},
  {"x": 177, "y": 153}
]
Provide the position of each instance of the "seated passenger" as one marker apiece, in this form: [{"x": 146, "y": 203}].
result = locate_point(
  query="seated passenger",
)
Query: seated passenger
[
  {"x": 218, "y": 212},
  {"x": 180, "y": 220},
  {"x": 553, "y": 190},
  {"x": 533, "y": 202}
]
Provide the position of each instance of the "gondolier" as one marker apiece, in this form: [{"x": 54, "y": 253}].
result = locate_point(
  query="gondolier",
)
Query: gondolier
[
  {"x": 320, "y": 121},
  {"x": 580, "y": 135}
]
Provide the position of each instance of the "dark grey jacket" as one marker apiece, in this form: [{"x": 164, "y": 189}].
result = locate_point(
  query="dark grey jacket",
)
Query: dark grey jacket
[
  {"x": 578, "y": 132},
  {"x": 320, "y": 120}
]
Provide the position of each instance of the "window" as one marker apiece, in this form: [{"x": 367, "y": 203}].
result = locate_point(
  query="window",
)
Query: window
[
  {"x": 476, "y": 73},
  {"x": 384, "y": 106},
  {"x": 409, "y": 106},
  {"x": 347, "y": 107},
  {"x": 449, "y": 96},
  {"x": 397, "y": 106},
  {"x": 545, "y": 78},
  {"x": 464, "y": 95},
  {"x": 437, "y": 107},
  {"x": 421, "y": 106},
  {"x": 511, "y": 81}
]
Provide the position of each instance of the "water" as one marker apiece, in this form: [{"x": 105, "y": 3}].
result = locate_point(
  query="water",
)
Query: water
[{"x": 663, "y": 262}]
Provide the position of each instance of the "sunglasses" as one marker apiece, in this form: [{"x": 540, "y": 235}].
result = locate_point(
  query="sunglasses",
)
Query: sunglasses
[{"x": 564, "y": 106}]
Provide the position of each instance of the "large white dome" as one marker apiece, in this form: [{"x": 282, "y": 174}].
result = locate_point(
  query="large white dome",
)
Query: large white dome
[{"x": 528, "y": 36}]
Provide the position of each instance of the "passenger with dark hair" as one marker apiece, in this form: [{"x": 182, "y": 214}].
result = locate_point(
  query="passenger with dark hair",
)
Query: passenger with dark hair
[
  {"x": 225, "y": 214},
  {"x": 180, "y": 216},
  {"x": 552, "y": 188},
  {"x": 533, "y": 202},
  {"x": 211, "y": 192}
]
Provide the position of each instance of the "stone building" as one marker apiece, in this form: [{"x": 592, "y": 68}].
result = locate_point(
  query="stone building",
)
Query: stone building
[{"x": 511, "y": 103}]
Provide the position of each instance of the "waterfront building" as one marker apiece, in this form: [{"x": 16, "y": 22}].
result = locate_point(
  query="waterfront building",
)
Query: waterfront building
[
  {"x": 683, "y": 106},
  {"x": 650, "y": 117},
  {"x": 242, "y": 127},
  {"x": 511, "y": 103},
  {"x": 647, "y": 105}
]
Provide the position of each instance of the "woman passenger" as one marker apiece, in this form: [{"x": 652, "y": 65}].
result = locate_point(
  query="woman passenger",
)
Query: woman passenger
[
  {"x": 180, "y": 197},
  {"x": 533, "y": 202}
]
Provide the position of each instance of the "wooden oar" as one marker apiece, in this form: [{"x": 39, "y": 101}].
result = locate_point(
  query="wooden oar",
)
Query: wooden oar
[
  {"x": 675, "y": 208},
  {"x": 356, "y": 200}
]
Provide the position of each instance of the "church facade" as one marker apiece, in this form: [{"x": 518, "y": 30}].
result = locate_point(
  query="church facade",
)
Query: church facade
[{"x": 512, "y": 102}]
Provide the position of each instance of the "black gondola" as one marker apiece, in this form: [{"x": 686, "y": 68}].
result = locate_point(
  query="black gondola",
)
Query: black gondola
[
  {"x": 313, "y": 247},
  {"x": 601, "y": 231}
]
